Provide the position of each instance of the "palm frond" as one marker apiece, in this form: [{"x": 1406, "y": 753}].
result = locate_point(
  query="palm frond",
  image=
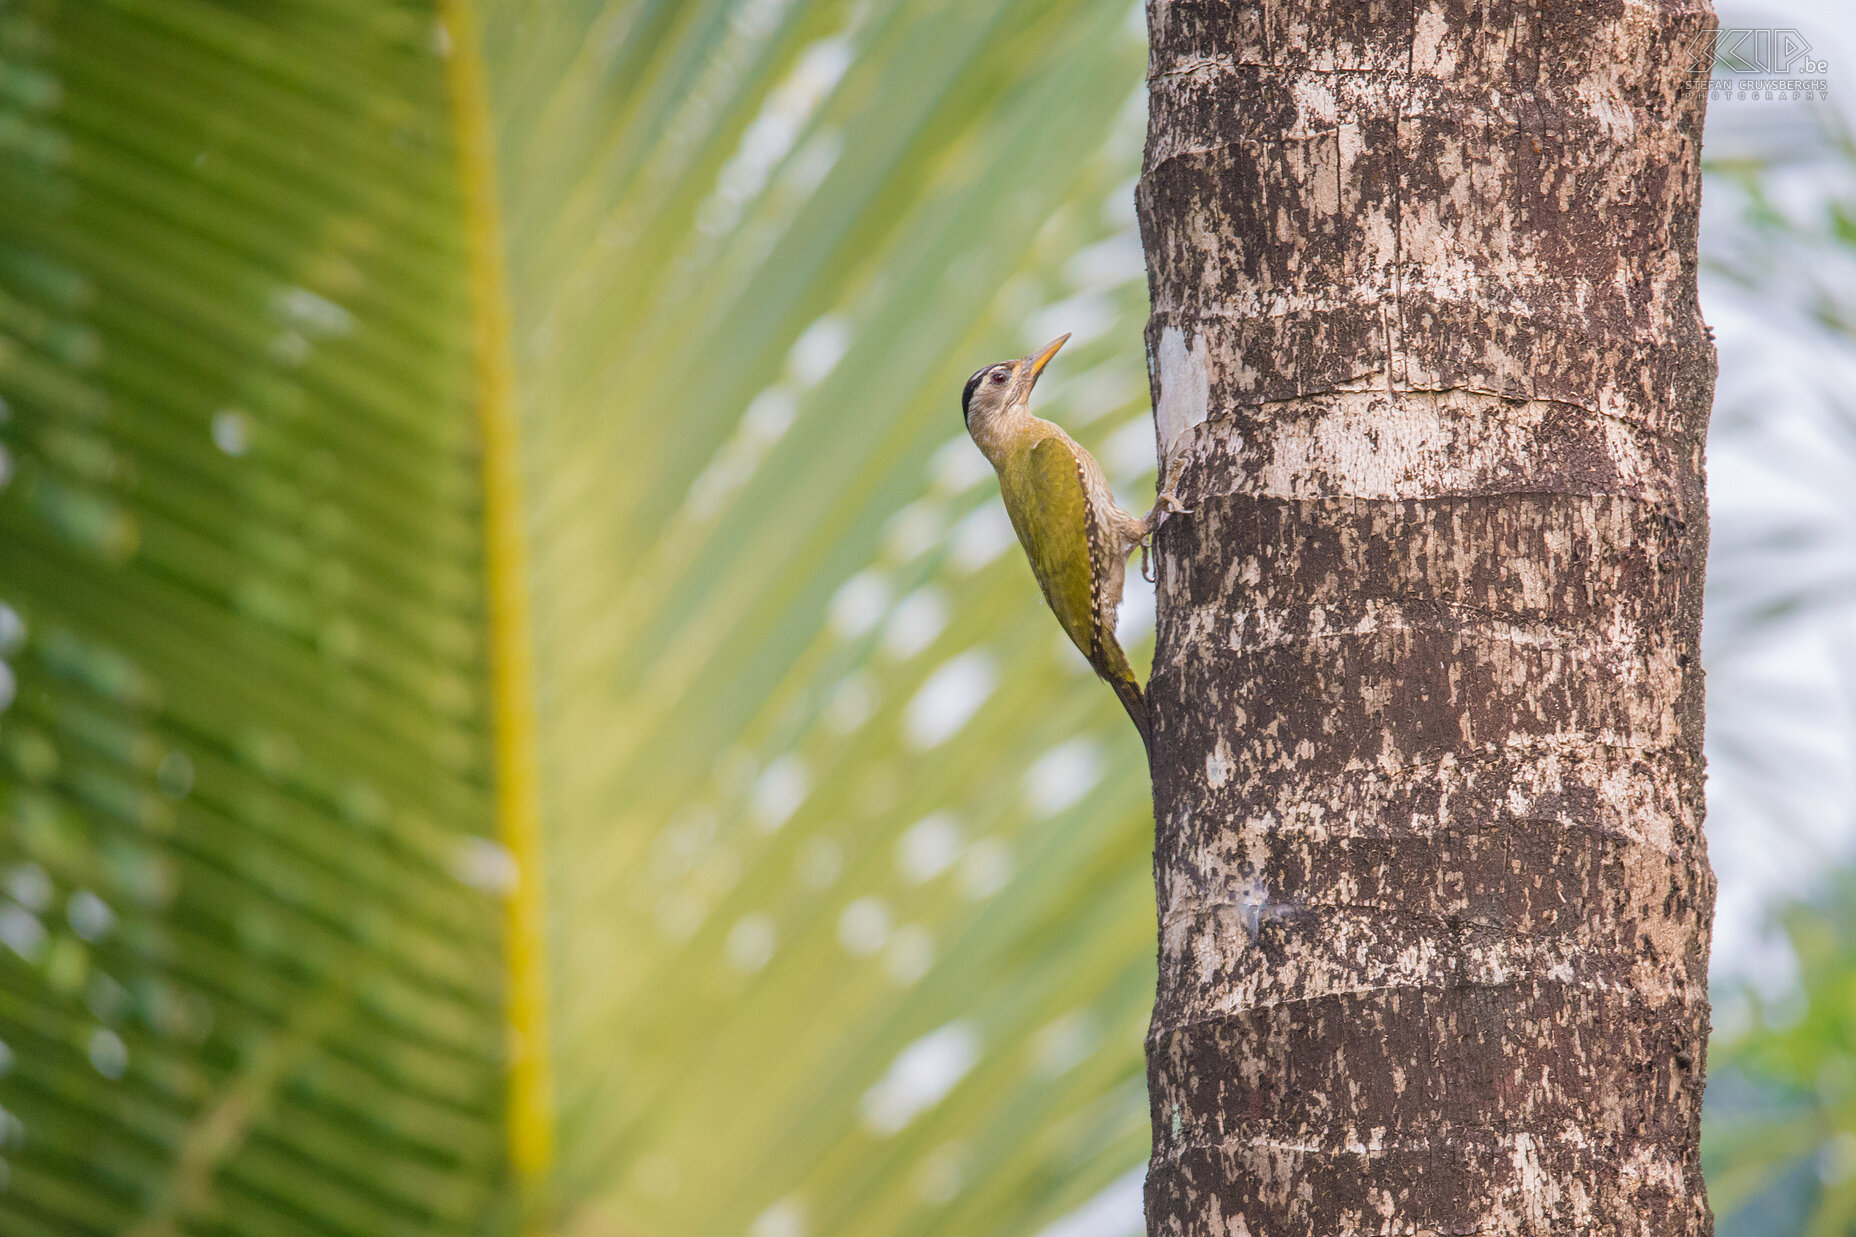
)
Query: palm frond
[{"x": 845, "y": 878}]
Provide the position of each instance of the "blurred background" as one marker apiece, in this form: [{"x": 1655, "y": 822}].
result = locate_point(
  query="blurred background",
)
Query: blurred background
[{"x": 846, "y": 919}]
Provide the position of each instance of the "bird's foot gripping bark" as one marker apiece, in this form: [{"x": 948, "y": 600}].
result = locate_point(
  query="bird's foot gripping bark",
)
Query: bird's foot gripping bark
[
  {"x": 1166, "y": 505},
  {"x": 1166, "y": 502}
]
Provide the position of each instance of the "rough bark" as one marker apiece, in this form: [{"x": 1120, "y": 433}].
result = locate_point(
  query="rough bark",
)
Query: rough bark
[{"x": 1434, "y": 902}]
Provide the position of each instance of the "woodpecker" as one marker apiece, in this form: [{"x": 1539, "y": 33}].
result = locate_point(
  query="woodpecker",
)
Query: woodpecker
[{"x": 1075, "y": 534}]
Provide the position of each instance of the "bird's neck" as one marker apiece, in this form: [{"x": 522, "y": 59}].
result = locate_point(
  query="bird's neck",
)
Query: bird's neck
[{"x": 997, "y": 433}]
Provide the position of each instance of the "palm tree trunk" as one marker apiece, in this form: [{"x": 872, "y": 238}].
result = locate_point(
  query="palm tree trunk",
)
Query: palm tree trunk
[{"x": 1434, "y": 901}]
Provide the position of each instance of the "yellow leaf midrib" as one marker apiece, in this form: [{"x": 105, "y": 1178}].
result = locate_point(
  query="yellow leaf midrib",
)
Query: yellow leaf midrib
[{"x": 531, "y": 1088}]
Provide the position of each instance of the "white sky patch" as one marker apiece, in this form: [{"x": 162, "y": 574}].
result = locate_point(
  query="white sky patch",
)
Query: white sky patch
[
  {"x": 29, "y": 886},
  {"x": 957, "y": 466},
  {"x": 918, "y": 621},
  {"x": 312, "y": 314},
  {"x": 863, "y": 927},
  {"x": 689, "y": 129},
  {"x": 859, "y": 604},
  {"x": 1118, "y": 207},
  {"x": 770, "y": 415},
  {"x": 1128, "y": 134},
  {"x": 232, "y": 431},
  {"x": 949, "y": 699},
  {"x": 914, "y": 530},
  {"x": 1062, "y": 776},
  {"x": 1135, "y": 622},
  {"x": 929, "y": 847},
  {"x": 808, "y": 169},
  {"x": 771, "y": 135},
  {"x": 21, "y": 931},
  {"x": 89, "y": 916},
  {"x": 1094, "y": 393},
  {"x": 779, "y": 792},
  {"x": 785, "y": 1218},
  {"x": 483, "y": 864},
  {"x": 1108, "y": 264},
  {"x": 1779, "y": 473},
  {"x": 1086, "y": 316},
  {"x": 982, "y": 535},
  {"x": 1114, "y": 1212},
  {"x": 12, "y": 630},
  {"x": 1129, "y": 452},
  {"x": 764, "y": 423},
  {"x": 921, "y": 1077},
  {"x": 818, "y": 350},
  {"x": 109, "y": 1056},
  {"x": 750, "y": 943},
  {"x": 1828, "y": 25},
  {"x": 1070, "y": 658}
]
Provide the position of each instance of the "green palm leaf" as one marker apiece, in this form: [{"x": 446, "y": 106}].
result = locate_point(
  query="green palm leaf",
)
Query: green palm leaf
[
  {"x": 247, "y": 746},
  {"x": 838, "y": 918}
]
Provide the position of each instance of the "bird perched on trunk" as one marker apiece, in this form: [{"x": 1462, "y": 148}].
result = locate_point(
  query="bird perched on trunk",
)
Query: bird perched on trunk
[{"x": 1077, "y": 537}]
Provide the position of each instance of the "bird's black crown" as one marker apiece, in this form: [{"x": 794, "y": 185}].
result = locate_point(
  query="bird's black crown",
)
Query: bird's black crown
[{"x": 966, "y": 396}]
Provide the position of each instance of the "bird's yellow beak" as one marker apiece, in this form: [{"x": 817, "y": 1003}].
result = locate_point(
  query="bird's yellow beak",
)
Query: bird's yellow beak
[{"x": 1041, "y": 359}]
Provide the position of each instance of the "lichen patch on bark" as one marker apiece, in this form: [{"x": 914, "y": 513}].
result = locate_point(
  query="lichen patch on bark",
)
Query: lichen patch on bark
[{"x": 1182, "y": 398}]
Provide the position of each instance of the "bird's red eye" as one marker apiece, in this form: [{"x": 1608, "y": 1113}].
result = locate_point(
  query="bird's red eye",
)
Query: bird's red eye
[{"x": 998, "y": 375}]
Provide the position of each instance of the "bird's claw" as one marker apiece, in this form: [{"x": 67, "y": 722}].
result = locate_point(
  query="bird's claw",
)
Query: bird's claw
[{"x": 1165, "y": 506}]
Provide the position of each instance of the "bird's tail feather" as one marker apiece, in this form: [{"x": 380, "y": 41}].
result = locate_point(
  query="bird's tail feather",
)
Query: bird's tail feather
[
  {"x": 1136, "y": 704},
  {"x": 1112, "y": 664}
]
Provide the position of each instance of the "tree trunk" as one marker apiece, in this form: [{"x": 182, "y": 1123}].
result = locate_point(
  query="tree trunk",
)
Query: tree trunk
[{"x": 1434, "y": 901}]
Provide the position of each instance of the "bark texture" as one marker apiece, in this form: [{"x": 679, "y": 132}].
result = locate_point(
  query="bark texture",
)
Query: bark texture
[{"x": 1434, "y": 901}]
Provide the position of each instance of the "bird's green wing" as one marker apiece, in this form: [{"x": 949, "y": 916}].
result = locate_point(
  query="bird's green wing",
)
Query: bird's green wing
[{"x": 1044, "y": 495}]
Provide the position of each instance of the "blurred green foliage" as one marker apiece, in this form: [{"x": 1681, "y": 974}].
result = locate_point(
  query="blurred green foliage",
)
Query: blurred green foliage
[
  {"x": 239, "y": 558},
  {"x": 1780, "y": 1144},
  {"x": 1779, "y": 1129},
  {"x": 844, "y": 935}
]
